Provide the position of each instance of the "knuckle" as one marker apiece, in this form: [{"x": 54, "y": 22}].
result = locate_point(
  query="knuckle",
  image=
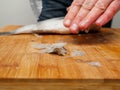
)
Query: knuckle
[
  {"x": 100, "y": 5},
  {"x": 77, "y": 2},
  {"x": 88, "y": 5},
  {"x": 102, "y": 9},
  {"x": 74, "y": 9}
]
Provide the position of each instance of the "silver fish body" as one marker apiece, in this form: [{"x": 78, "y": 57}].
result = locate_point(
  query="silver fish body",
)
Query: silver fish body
[{"x": 54, "y": 26}]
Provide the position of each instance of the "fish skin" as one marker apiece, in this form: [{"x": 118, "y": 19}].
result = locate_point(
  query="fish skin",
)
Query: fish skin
[{"x": 53, "y": 26}]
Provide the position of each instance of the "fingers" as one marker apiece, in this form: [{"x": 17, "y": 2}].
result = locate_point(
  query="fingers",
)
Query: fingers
[
  {"x": 85, "y": 9},
  {"x": 96, "y": 12},
  {"x": 109, "y": 13},
  {"x": 82, "y": 13},
  {"x": 74, "y": 8}
]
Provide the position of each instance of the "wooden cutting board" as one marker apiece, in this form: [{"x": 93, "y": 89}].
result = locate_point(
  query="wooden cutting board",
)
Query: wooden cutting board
[{"x": 20, "y": 62}]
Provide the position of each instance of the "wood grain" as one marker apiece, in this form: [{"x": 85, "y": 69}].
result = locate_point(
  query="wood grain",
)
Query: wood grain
[{"x": 22, "y": 63}]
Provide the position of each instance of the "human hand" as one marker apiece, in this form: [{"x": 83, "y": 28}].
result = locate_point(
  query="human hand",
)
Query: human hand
[{"x": 83, "y": 13}]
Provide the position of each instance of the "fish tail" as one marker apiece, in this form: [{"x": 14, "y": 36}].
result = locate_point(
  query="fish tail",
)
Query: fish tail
[{"x": 7, "y": 33}]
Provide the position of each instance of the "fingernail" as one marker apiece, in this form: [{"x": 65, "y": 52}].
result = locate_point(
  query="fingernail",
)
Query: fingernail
[
  {"x": 98, "y": 23},
  {"x": 82, "y": 25},
  {"x": 67, "y": 22},
  {"x": 74, "y": 27}
]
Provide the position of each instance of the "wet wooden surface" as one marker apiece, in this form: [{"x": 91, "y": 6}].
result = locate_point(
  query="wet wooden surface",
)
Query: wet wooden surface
[{"x": 20, "y": 62}]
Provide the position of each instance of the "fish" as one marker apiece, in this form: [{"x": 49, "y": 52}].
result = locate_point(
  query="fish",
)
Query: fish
[{"x": 49, "y": 26}]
